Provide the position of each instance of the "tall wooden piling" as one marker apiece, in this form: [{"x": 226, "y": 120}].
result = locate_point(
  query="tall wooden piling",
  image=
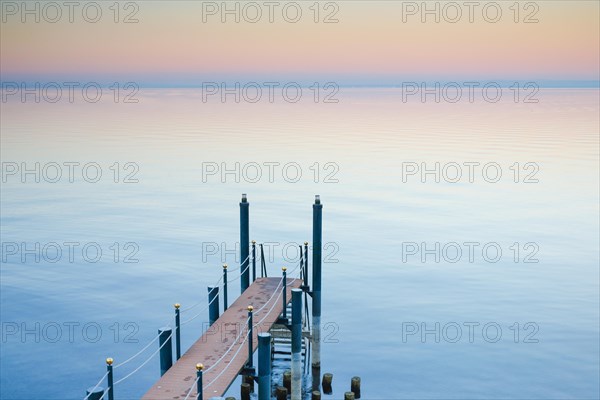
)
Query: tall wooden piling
[
  {"x": 296, "y": 344},
  {"x": 264, "y": 366},
  {"x": 316, "y": 281},
  {"x": 244, "y": 242}
]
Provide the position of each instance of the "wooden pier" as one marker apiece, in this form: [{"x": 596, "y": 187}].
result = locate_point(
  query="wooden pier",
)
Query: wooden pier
[
  {"x": 218, "y": 345},
  {"x": 255, "y": 320}
]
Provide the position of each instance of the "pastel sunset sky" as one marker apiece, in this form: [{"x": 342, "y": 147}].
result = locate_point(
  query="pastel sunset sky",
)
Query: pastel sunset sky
[{"x": 373, "y": 42}]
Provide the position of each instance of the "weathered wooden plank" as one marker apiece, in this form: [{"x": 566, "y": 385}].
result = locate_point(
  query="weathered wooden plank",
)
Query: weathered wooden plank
[{"x": 220, "y": 338}]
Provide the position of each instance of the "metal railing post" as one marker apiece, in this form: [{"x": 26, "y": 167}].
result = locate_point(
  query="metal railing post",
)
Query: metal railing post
[
  {"x": 199, "y": 368},
  {"x": 109, "y": 379},
  {"x": 284, "y": 269},
  {"x": 177, "y": 331},
  {"x": 224, "y": 287},
  {"x": 250, "y": 333}
]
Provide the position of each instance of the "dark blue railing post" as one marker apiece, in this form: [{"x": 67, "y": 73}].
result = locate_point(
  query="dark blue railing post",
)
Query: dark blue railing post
[
  {"x": 199, "y": 368},
  {"x": 253, "y": 260},
  {"x": 306, "y": 264},
  {"x": 250, "y": 363},
  {"x": 109, "y": 379},
  {"x": 284, "y": 279},
  {"x": 296, "y": 344},
  {"x": 213, "y": 301},
  {"x": 224, "y": 287},
  {"x": 166, "y": 349},
  {"x": 264, "y": 366},
  {"x": 94, "y": 393},
  {"x": 177, "y": 331},
  {"x": 244, "y": 242},
  {"x": 316, "y": 280}
]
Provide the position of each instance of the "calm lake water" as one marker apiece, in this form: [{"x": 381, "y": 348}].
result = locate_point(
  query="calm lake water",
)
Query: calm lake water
[{"x": 480, "y": 288}]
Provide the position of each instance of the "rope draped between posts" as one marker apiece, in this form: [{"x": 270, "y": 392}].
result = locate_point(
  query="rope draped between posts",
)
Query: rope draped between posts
[
  {"x": 218, "y": 283},
  {"x": 96, "y": 387},
  {"x": 228, "y": 364},
  {"x": 147, "y": 360}
]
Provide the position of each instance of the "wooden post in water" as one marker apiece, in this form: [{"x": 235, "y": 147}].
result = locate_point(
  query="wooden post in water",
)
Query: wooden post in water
[
  {"x": 245, "y": 391},
  {"x": 348, "y": 396},
  {"x": 244, "y": 242},
  {"x": 281, "y": 393},
  {"x": 316, "y": 395},
  {"x": 327, "y": 379},
  {"x": 296, "y": 344},
  {"x": 355, "y": 386},
  {"x": 213, "y": 304},
  {"x": 316, "y": 281},
  {"x": 166, "y": 349},
  {"x": 94, "y": 393},
  {"x": 264, "y": 366},
  {"x": 287, "y": 380}
]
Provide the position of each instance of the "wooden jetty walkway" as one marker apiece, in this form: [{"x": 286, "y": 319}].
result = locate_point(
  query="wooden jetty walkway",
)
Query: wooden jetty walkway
[
  {"x": 226, "y": 349},
  {"x": 220, "y": 345}
]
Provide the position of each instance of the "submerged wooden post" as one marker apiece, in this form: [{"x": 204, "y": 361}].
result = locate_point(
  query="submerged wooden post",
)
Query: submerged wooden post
[
  {"x": 244, "y": 242},
  {"x": 166, "y": 349},
  {"x": 296, "y": 344},
  {"x": 109, "y": 379},
  {"x": 327, "y": 378},
  {"x": 281, "y": 393},
  {"x": 355, "y": 386},
  {"x": 316, "y": 395},
  {"x": 287, "y": 380},
  {"x": 245, "y": 391},
  {"x": 177, "y": 332},
  {"x": 316, "y": 281},
  {"x": 213, "y": 304},
  {"x": 264, "y": 366},
  {"x": 348, "y": 396}
]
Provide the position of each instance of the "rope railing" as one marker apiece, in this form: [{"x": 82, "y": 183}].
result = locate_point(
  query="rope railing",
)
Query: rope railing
[
  {"x": 145, "y": 362},
  {"x": 273, "y": 306},
  {"x": 229, "y": 363},
  {"x": 199, "y": 313},
  {"x": 191, "y": 389},
  {"x": 238, "y": 276},
  {"x": 230, "y": 347},
  {"x": 219, "y": 281},
  {"x": 141, "y": 351},
  {"x": 240, "y": 266},
  {"x": 167, "y": 340},
  {"x": 96, "y": 387}
]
